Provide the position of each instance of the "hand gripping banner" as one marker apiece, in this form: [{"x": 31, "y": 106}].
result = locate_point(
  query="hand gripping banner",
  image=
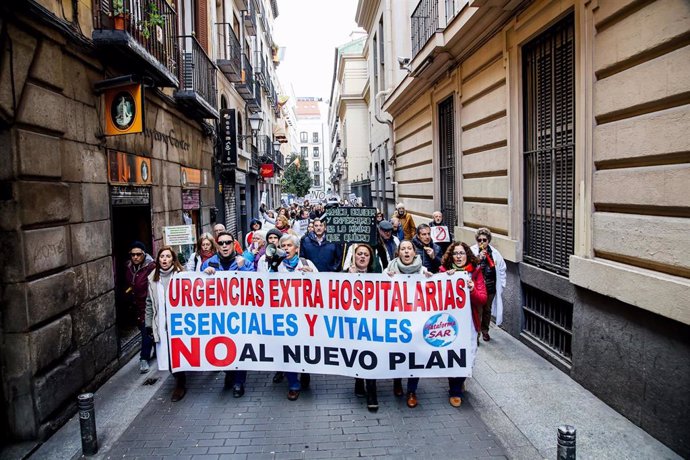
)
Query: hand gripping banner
[{"x": 359, "y": 325}]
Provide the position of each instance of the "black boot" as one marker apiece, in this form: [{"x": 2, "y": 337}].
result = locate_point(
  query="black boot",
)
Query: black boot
[
  {"x": 278, "y": 377},
  {"x": 372, "y": 400},
  {"x": 360, "y": 392}
]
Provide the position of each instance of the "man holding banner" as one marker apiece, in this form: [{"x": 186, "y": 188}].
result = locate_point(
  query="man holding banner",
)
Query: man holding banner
[{"x": 227, "y": 260}]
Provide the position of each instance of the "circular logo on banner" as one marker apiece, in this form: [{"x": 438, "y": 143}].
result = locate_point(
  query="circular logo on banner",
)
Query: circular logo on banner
[
  {"x": 440, "y": 330},
  {"x": 123, "y": 110}
]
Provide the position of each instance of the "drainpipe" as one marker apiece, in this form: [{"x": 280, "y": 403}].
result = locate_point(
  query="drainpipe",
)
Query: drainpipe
[{"x": 377, "y": 116}]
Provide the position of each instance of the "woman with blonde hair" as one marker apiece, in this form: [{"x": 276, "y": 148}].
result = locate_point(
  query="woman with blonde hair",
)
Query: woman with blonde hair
[{"x": 205, "y": 249}]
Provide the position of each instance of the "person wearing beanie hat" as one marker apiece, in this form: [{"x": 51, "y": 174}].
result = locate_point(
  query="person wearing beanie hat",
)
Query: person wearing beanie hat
[
  {"x": 273, "y": 236},
  {"x": 254, "y": 225},
  {"x": 138, "y": 268}
]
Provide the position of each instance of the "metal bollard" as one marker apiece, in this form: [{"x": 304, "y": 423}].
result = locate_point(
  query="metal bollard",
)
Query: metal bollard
[
  {"x": 87, "y": 422},
  {"x": 566, "y": 442}
]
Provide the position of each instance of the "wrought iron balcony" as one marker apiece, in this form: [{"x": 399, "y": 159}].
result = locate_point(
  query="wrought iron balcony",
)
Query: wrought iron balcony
[
  {"x": 254, "y": 102},
  {"x": 197, "y": 92},
  {"x": 424, "y": 23},
  {"x": 264, "y": 145},
  {"x": 245, "y": 86},
  {"x": 249, "y": 18},
  {"x": 280, "y": 160},
  {"x": 140, "y": 36},
  {"x": 254, "y": 163},
  {"x": 260, "y": 70},
  {"x": 230, "y": 53}
]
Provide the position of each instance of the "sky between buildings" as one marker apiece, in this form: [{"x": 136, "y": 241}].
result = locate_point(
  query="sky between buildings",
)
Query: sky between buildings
[{"x": 310, "y": 30}]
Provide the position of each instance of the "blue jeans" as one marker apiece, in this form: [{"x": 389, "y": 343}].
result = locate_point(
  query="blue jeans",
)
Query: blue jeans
[
  {"x": 146, "y": 343},
  {"x": 412, "y": 384},
  {"x": 455, "y": 386},
  {"x": 293, "y": 381}
]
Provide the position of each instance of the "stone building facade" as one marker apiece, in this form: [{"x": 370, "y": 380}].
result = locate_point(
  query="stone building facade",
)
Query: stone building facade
[
  {"x": 348, "y": 118},
  {"x": 563, "y": 127},
  {"x": 67, "y": 216}
]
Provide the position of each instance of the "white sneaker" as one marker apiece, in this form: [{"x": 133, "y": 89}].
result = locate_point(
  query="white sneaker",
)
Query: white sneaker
[{"x": 143, "y": 366}]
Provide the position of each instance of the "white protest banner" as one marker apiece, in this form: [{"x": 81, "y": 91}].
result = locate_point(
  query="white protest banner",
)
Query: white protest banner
[
  {"x": 440, "y": 234},
  {"x": 364, "y": 325}
]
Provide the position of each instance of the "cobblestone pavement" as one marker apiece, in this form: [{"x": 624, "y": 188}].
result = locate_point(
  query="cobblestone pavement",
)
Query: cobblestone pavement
[{"x": 328, "y": 421}]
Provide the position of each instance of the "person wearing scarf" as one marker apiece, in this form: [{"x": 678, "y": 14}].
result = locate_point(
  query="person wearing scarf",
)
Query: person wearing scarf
[
  {"x": 256, "y": 249},
  {"x": 407, "y": 263},
  {"x": 166, "y": 265},
  {"x": 227, "y": 260},
  {"x": 293, "y": 262},
  {"x": 363, "y": 261},
  {"x": 459, "y": 258},
  {"x": 139, "y": 267},
  {"x": 205, "y": 249}
]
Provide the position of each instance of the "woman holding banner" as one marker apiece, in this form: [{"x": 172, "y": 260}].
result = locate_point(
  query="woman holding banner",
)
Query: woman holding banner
[
  {"x": 407, "y": 263},
  {"x": 459, "y": 258},
  {"x": 363, "y": 262},
  {"x": 205, "y": 249},
  {"x": 167, "y": 264}
]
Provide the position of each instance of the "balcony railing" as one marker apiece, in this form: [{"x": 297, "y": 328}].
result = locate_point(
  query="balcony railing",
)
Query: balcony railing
[
  {"x": 249, "y": 16},
  {"x": 229, "y": 53},
  {"x": 424, "y": 23},
  {"x": 264, "y": 145},
  {"x": 261, "y": 71},
  {"x": 246, "y": 84},
  {"x": 197, "y": 79},
  {"x": 254, "y": 102},
  {"x": 142, "y": 33}
]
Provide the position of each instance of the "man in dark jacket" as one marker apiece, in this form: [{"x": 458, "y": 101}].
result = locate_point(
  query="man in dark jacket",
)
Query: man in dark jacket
[
  {"x": 227, "y": 260},
  {"x": 327, "y": 257},
  {"x": 139, "y": 266},
  {"x": 427, "y": 249}
]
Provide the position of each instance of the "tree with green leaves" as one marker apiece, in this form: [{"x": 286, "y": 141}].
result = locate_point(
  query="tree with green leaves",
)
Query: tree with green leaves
[{"x": 297, "y": 179}]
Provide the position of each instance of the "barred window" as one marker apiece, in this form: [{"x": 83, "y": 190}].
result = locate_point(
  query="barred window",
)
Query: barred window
[{"x": 549, "y": 150}]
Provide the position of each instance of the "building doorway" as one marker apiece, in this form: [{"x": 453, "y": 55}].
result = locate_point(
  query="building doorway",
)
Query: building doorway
[{"x": 130, "y": 222}]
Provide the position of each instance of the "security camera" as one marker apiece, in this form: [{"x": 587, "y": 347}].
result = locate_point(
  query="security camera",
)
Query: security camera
[{"x": 404, "y": 63}]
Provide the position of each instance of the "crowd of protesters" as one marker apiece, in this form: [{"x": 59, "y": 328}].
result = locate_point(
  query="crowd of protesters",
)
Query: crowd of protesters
[{"x": 293, "y": 238}]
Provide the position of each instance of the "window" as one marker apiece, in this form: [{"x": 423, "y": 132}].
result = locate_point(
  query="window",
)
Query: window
[
  {"x": 317, "y": 166},
  {"x": 315, "y": 137},
  {"x": 303, "y": 137},
  {"x": 375, "y": 47},
  {"x": 316, "y": 153},
  {"x": 317, "y": 180},
  {"x": 303, "y": 152},
  {"x": 446, "y": 133},
  {"x": 549, "y": 147},
  {"x": 549, "y": 321}
]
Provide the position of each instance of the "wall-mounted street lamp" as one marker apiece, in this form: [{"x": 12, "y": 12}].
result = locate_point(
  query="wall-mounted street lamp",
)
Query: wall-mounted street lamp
[
  {"x": 255, "y": 122},
  {"x": 276, "y": 146}
]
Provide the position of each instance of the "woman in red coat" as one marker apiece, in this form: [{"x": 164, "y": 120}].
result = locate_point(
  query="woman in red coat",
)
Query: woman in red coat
[{"x": 459, "y": 258}]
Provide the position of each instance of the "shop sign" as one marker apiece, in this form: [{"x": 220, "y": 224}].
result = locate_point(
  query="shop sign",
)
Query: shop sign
[
  {"x": 129, "y": 196},
  {"x": 125, "y": 168},
  {"x": 191, "y": 199},
  {"x": 266, "y": 170},
  {"x": 228, "y": 139},
  {"x": 191, "y": 178},
  {"x": 124, "y": 110},
  {"x": 240, "y": 178}
]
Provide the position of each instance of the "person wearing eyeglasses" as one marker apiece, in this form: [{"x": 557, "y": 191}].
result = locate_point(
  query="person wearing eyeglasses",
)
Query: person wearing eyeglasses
[
  {"x": 227, "y": 260},
  {"x": 139, "y": 266},
  {"x": 459, "y": 258},
  {"x": 494, "y": 270}
]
